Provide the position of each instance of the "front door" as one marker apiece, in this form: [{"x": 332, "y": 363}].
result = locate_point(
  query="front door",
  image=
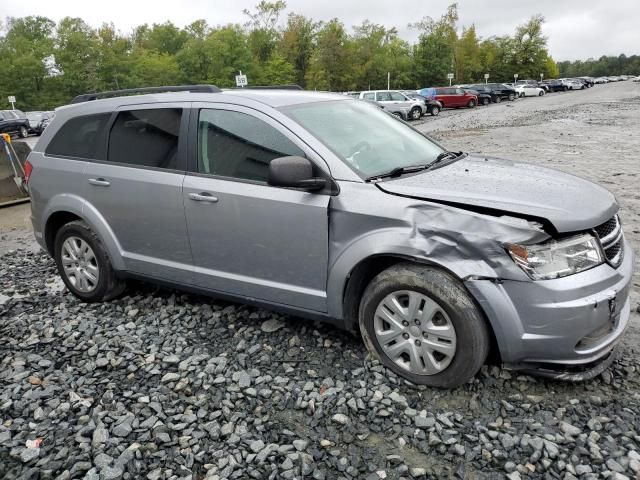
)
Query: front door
[
  {"x": 137, "y": 189},
  {"x": 249, "y": 238}
]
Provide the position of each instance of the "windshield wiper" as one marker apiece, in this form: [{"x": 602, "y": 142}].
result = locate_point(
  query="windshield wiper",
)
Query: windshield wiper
[
  {"x": 444, "y": 156},
  {"x": 396, "y": 172}
]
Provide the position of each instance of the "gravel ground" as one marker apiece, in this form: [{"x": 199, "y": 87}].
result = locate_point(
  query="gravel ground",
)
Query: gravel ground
[{"x": 160, "y": 385}]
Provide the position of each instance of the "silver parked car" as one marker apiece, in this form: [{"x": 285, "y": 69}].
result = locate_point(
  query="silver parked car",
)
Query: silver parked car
[
  {"x": 325, "y": 207},
  {"x": 392, "y": 99}
]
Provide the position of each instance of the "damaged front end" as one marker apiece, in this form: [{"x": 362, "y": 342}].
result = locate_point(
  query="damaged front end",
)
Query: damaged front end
[{"x": 564, "y": 324}]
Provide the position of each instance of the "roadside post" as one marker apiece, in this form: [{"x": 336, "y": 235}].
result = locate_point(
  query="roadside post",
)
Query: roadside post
[
  {"x": 450, "y": 77},
  {"x": 541, "y": 76},
  {"x": 12, "y": 101},
  {"x": 515, "y": 78},
  {"x": 241, "y": 80},
  {"x": 486, "y": 78}
]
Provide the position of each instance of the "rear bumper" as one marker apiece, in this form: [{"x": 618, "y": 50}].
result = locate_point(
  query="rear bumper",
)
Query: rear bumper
[{"x": 572, "y": 322}]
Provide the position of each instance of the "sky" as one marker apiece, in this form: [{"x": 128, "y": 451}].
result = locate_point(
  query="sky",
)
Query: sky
[{"x": 576, "y": 29}]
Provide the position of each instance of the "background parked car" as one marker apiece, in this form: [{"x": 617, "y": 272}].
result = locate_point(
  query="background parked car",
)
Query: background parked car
[
  {"x": 554, "y": 85},
  {"x": 433, "y": 106},
  {"x": 572, "y": 84},
  {"x": 483, "y": 98},
  {"x": 14, "y": 121},
  {"x": 393, "y": 97},
  {"x": 498, "y": 91},
  {"x": 38, "y": 121},
  {"x": 453, "y": 97},
  {"x": 530, "y": 90},
  {"x": 534, "y": 83}
]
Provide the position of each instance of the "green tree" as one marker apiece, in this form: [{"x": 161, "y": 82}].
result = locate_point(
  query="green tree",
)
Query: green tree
[
  {"x": 331, "y": 64},
  {"x": 263, "y": 35},
  {"x": 297, "y": 44}
]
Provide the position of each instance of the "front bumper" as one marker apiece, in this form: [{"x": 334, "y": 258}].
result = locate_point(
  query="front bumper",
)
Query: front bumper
[{"x": 573, "y": 322}]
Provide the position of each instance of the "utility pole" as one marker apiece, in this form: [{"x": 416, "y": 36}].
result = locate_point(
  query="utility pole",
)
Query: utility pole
[{"x": 388, "y": 80}]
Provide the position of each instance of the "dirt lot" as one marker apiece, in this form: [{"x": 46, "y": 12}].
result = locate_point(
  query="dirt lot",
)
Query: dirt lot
[{"x": 163, "y": 385}]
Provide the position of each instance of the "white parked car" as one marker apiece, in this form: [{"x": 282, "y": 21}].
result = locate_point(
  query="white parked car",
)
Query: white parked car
[
  {"x": 572, "y": 84},
  {"x": 530, "y": 91}
]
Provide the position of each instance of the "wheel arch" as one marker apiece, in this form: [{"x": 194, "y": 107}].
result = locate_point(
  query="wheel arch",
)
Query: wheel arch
[
  {"x": 68, "y": 208},
  {"x": 366, "y": 269}
]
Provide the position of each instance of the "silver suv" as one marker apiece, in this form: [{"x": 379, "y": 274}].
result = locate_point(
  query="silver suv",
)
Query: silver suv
[
  {"x": 326, "y": 207},
  {"x": 394, "y": 99}
]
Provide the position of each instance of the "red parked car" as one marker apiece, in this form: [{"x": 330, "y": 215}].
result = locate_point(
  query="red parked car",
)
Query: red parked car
[{"x": 452, "y": 97}]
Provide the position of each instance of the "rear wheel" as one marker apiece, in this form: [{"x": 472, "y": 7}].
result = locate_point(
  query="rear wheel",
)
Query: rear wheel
[
  {"x": 415, "y": 113},
  {"x": 485, "y": 101},
  {"x": 84, "y": 265},
  {"x": 471, "y": 104},
  {"x": 498, "y": 99},
  {"x": 421, "y": 323},
  {"x": 24, "y": 133},
  {"x": 435, "y": 111},
  {"x": 541, "y": 93},
  {"x": 512, "y": 97}
]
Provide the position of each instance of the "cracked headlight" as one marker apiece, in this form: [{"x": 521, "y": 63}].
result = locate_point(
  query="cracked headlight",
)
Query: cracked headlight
[{"x": 557, "y": 258}]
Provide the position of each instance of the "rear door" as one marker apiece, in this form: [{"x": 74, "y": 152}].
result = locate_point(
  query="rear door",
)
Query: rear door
[
  {"x": 136, "y": 186},
  {"x": 249, "y": 238}
]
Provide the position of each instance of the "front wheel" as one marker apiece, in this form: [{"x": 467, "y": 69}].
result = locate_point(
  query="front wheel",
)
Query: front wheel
[
  {"x": 84, "y": 265},
  {"x": 512, "y": 97},
  {"x": 435, "y": 111},
  {"x": 471, "y": 104},
  {"x": 24, "y": 133},
  {"x": 415, "y": 113},
  {"x": 541, "y": 93},
  {"x": 421, "y": 323},
  {"x": 498, "y": 99},
  {"x": 485, "y": 101}
]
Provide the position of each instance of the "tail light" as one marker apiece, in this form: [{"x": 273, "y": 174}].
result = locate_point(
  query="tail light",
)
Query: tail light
[{"x": 28, "y": 168}]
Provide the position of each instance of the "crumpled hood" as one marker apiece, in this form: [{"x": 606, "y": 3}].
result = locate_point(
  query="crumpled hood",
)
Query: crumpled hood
[{"x": 570, "y": 203}]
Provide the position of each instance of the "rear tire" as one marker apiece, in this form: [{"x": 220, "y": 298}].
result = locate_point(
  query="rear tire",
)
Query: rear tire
[
  {"x": 435, "y": 111},
  {"x": 498, "y": 99},
  {"x": 73, "y": 265},
  {"x": 23, "y": 132},
  {"x": 471, "y": 104},
  {"x": 415, "y": 113},
  {"x": 436, "y": 337},
  {"x": 486, "y": 101},
  {"x": 512, "y": 97}
]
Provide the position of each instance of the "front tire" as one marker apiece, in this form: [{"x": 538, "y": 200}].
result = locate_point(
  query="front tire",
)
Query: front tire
[
  {"x": 415, "y": 113},
  {"x": 512, "y": 97},
  {"x": 23, "y": 132},
  {"x": 471, "y": 104},
  {"x": 84, "y": 265},
  {"x": 435, "y": 111},
  {"x": 486, "y": 101},
  {"x": 541, "y": 93},
  {"x": 498, "y": 99},
  {"x": 421, "y": 323}
]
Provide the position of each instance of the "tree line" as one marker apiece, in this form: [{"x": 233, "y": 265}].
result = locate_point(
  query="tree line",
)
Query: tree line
[
  {"x": 46, "y": 63},
  {"x": 602, "y": 67}
]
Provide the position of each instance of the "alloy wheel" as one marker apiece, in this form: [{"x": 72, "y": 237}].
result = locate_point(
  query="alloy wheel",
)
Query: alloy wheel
[{"x": 80, "y": 264}]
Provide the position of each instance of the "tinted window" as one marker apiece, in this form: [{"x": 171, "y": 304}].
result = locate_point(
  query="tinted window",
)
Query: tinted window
[
  {"x": 79, "y": 136},
  {"x": 397, "y": 97},
  {"x": 233, "y": 144},
  {"x": 459, "y": 91},
  {"x": 148, "y": 138},
  {"x": 369, "y": 96},
  {"x": 384, "y": 96}
]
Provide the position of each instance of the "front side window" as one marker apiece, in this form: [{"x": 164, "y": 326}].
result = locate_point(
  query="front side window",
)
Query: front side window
[
  {"x": 384, "y": 97},
  {"x": 146, "y": 138},
  {"x": 364, "y": 136},
  {"x": 79, "y": 136},
  {"x": 238, "y": 145}
]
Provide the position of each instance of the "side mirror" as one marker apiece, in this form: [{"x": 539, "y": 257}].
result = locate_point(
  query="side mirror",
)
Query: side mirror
[{"x": 294, "y": 172}]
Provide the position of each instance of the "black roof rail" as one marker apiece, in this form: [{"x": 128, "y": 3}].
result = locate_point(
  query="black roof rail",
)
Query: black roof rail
[
  {"x": 131, "y": 91},
  {"x": 270, "y": 87}
]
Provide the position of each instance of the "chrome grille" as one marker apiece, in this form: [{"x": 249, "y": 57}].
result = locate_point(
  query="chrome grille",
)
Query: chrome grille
[{"x": 610, "y": 235}]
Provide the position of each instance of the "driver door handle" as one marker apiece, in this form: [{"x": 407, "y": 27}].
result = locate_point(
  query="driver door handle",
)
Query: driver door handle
[
  {"x": 203, "y": 197},
  {"x": 99, "y": 182}
]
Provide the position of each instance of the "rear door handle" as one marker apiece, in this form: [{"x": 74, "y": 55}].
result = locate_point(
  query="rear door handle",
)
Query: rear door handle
[
  {"x": 203, "y": 197},
  {"x": 99, "y": 182}
]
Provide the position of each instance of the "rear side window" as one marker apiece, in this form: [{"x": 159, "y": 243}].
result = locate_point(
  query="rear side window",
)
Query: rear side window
[
  {"x": 146, "y": 138},
  {"x": 237, "y": 145},
  {"x": 79, "y": 136},
  {"x": 369, "y": 96}
]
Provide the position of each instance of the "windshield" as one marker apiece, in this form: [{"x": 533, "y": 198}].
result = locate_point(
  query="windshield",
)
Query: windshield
[{"x": 364, "y": 136}]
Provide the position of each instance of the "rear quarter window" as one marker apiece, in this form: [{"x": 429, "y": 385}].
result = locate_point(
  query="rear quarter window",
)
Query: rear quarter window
[{"x": 79, "y": 137}]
